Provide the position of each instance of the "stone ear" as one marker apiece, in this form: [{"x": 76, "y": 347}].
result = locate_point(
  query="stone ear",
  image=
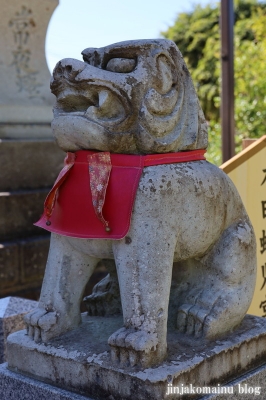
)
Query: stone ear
[
  {"x": 164, "y": 74},
  {"x": 171, "y": 118},
  {"x": 161, "y": 104}
]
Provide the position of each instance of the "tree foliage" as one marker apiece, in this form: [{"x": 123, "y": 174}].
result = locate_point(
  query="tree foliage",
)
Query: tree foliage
[{"x": 197, "y": 35}]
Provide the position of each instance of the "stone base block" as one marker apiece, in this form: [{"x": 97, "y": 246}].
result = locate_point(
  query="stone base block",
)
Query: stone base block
[
  {"x": 17, "y": 387},
  {"x": 22, "y": 264},
  {"x": 28, "y": 131},
  {"x": 12, "y": 310},
  {"x": 19, "y": 210},
  {"x": 14, "y": 386},
  {"x": 29, "y": 164},
  {"x": 80, "y": 361}
]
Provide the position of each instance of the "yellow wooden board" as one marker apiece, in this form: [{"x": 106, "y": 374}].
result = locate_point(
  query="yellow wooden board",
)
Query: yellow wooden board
[{"x": 248, "y": 172}]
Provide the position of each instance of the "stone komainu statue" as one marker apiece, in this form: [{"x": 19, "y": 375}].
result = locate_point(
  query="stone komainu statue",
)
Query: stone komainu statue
[{"x": 136, "y": 188}]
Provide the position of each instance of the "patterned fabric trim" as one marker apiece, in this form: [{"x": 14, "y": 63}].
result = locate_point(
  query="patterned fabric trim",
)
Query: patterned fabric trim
[{"x": 100, "y": 167}]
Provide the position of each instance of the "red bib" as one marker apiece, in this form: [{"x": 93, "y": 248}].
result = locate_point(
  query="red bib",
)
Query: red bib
[{"x": 94, "y": 194}]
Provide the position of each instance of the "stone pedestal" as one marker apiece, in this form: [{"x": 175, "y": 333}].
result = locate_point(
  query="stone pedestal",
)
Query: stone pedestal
[
  {"x": 12, "y": 310},
  {"x": 29, "y": 158},
  {"x": 15, "y": 386},
  {"x": 79, "y": 361},
  {"x": 28, "y": 170}
]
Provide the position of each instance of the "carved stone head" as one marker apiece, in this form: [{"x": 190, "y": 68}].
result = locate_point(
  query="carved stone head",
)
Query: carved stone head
[{"x": 134, "y": 97}]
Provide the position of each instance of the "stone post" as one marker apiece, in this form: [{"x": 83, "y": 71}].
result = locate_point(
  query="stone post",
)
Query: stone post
[{"x": 29, "y": 159}]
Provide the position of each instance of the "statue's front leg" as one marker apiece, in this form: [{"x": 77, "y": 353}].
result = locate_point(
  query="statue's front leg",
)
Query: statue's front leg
[
  {"x": 144, "y": 261},
  {"x": 66, "y": 274}
]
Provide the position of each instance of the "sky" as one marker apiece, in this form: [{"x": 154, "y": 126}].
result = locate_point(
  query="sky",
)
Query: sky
[{"x": 78, "y": 24}]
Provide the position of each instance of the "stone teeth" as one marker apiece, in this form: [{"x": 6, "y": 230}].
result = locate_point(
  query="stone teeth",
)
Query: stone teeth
[{"x": 103, "y": 97}]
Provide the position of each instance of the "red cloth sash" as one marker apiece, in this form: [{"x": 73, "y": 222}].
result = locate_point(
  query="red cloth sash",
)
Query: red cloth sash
[{"x": 94, "y": 194}]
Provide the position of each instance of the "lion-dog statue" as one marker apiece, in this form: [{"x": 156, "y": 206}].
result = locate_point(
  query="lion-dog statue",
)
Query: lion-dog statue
[{"x": 136, "y": 98}]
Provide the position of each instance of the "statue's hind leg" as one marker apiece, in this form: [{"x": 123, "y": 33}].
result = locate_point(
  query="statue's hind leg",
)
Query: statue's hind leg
[
  {"x": 66, "y": 274},
  {"x": 222, "y": 288}
]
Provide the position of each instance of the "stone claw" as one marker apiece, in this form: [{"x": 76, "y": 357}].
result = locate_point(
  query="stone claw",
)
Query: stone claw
[
  {"x": 40, "y": 324},
  {"x": 130, "y": 347}
]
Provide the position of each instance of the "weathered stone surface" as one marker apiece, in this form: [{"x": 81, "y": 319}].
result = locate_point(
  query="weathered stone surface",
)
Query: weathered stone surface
[
  {"x": 129, "y": 97},
  {"x": 137, "y": 97},
  {"x": 22, "y": 264},
  {"x": 12, "y": 310},
  {"x": 18, "y": 211},
  {"x": 24, "y": 93},
  {"x": 17, "y": 387},
  {"x": 80, "y": 360},
  {"x": 28, "y": 164}
]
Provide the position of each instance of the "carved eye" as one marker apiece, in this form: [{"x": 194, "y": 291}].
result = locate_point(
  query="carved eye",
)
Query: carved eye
[{"x": 122, "y": 65}]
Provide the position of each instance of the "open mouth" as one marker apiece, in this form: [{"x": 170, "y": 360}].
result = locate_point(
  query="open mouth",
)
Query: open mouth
[{"x": 96, "y": 103}]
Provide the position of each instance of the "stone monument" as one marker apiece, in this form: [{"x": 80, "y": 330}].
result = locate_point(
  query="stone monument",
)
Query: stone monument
[
  {"x": 25, "y": 101},
  {"x": 29, "y": 159},
  {"x": 12, "y": 310},
  {"x": 137, "y": 189}
]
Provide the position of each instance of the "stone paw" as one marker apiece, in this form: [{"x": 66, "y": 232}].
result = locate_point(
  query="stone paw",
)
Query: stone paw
[
  {"x": 105, "y": 298},
  {"x": 227, "y": 311},
  {"x": 191, "y": 319},
  {"x": 210, "y": 315},
  {"x": 130, "y": 347},
  {"x": 40, "y": 323}
]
